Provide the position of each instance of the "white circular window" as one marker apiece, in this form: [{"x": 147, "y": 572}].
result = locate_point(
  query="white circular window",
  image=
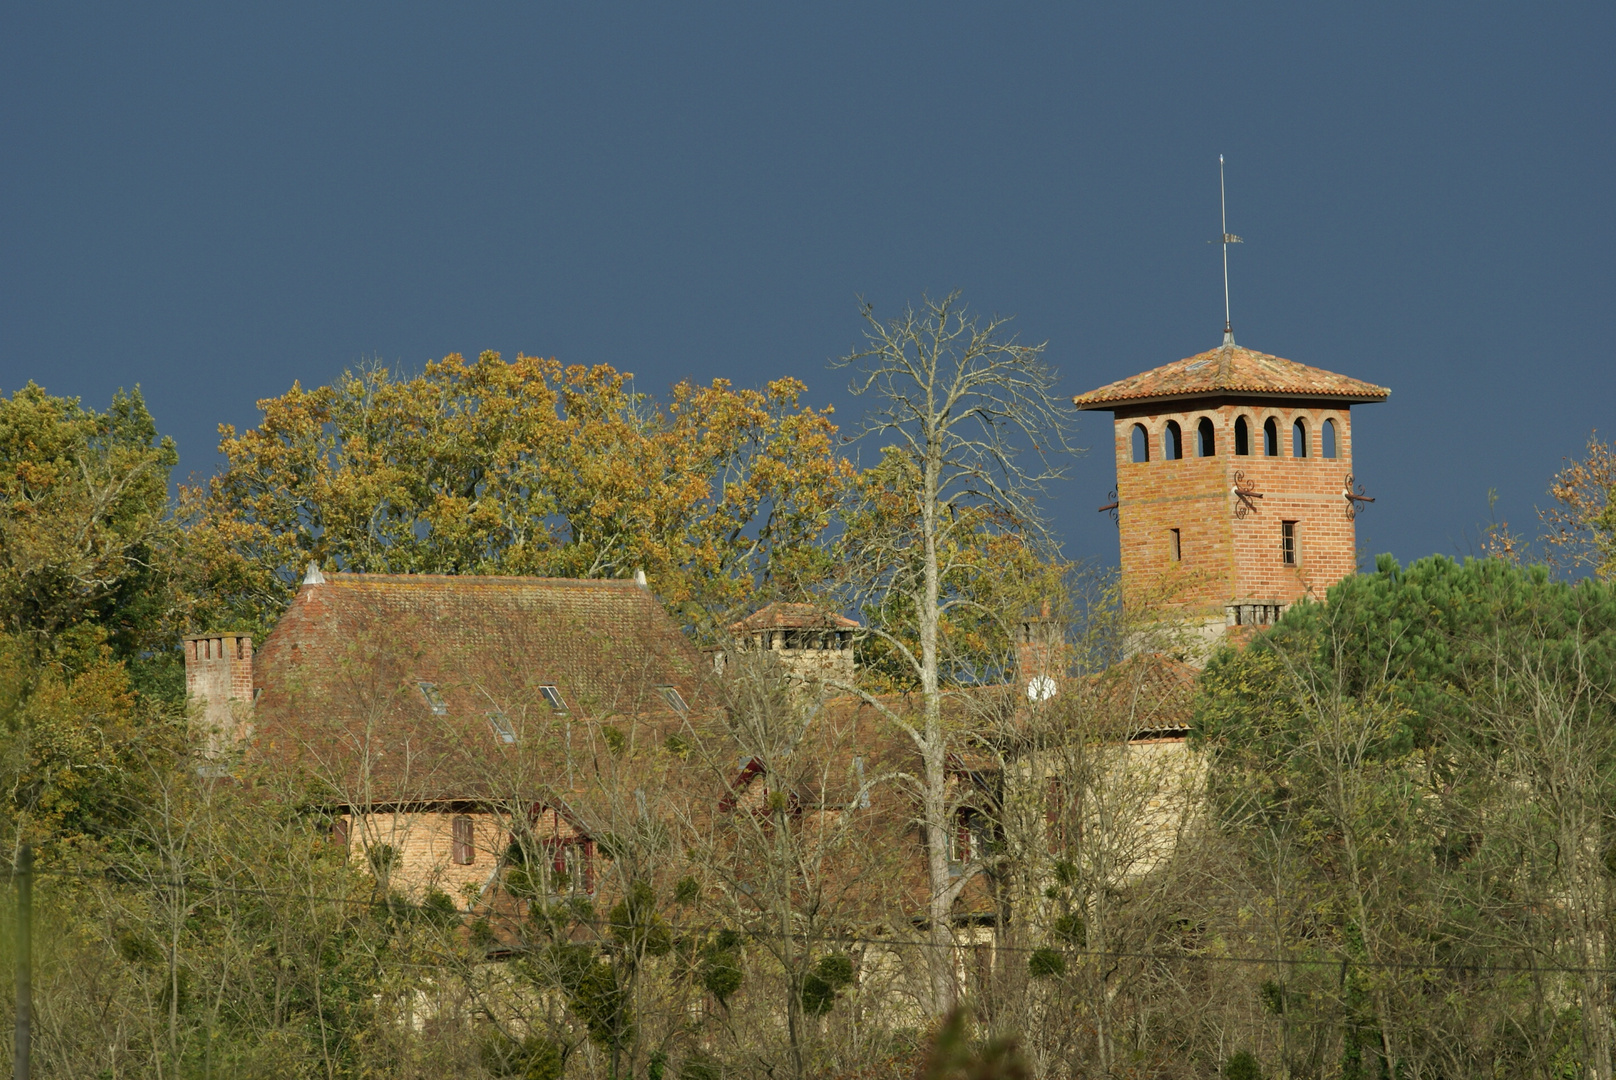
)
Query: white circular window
[{"x": 1041, "y": 688}]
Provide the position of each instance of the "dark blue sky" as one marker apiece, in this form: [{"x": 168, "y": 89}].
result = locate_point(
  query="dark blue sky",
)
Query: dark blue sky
[{"x": 214, "y": 201}]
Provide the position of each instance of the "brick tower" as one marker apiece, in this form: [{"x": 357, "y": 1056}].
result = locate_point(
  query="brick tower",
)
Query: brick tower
[{"x": 1233, "y": 473}]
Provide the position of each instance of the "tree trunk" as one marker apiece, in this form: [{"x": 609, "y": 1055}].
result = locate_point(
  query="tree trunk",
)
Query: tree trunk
[{"x": 940, "y": 957}]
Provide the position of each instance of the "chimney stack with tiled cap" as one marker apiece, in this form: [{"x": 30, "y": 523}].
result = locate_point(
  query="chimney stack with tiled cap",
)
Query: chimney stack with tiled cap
[
  {"x": 1040, "y": 655},
  {"x": 219, "y": 684}
]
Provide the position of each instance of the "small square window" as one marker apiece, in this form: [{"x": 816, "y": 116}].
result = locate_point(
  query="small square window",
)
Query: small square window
[
  {"x": 670, "y": 694},
  {"x": 552, "y": 696},
  {"x": 502, "y": 727},
  {"x": 434, "y": 698}
]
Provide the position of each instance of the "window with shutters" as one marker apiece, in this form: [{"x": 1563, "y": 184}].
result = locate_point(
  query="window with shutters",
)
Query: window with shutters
[
  {"x": 572, "y": 867},
  {"x": 465, "y": 849},
  {"x": 1056, "y": 815}
]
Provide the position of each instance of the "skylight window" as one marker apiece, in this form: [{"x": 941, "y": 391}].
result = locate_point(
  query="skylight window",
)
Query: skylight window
[
  {"x": 552, "y": 695},
  {"x": 434, "y": 698},
  {"x": 502, "y": 727},
  {"x": 671, "y": 696}
]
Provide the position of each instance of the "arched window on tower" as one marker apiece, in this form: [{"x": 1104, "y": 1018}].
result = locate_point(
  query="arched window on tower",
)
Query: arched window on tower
[
  {"x": 1141, "y": 443},
  {"x": 1173, "y": 441},
  {"x": 1270, "y": 438},
  {"x": 1327, "y": 439},
  {"x": 1206, "y": 441},
  {"x": 1299, "y": 440},
  {"x": 1242, "y": 437}
]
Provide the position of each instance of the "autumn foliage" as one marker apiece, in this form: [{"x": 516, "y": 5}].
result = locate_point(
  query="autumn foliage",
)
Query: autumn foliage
[{"x": 525, "y": 467}]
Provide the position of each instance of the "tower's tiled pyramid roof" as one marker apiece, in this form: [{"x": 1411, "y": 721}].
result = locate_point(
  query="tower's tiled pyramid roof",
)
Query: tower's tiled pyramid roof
[{"x": 1231, "y": 369}]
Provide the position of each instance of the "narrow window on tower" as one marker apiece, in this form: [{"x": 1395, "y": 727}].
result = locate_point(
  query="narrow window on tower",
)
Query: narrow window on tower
[
  {"x": 1206, "y": 439},
  {"x": 1270, "y": 438},
  {"x": 1141, "y": 443},
  {"x": 1174, "y": 549},
  {"x": 1242, "y": 438},
  {"x": 1287, "y": 542},
  {"x": 1173, "y": 441},
  {"x": 1299, "y": 440},
  {"x": 1327, "y": 439}
]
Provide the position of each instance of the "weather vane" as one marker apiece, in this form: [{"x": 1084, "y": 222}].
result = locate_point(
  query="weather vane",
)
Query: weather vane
[{"x": 1228, "y": 238}]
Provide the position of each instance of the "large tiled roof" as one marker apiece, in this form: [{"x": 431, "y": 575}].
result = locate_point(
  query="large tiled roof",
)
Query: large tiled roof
[
  {"x": 340, "y": 673},
  {"x": 1231, "y": 369},
  {"x": 783, "y": 616}
]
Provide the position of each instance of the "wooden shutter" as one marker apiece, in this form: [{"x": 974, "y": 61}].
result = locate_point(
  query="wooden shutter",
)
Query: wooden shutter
[{"x": 465, "y": 852}]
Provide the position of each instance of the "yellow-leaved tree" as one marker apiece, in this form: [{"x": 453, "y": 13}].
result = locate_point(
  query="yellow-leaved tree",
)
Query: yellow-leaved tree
[
  {"x": 1581, "y": 527},
  {"x": 523, "y": 467}
]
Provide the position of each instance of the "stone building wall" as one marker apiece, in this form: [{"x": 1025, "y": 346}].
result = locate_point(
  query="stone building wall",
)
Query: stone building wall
[
  {"x": 219, "y": 683},
  {"x": 424, "y": 844}
]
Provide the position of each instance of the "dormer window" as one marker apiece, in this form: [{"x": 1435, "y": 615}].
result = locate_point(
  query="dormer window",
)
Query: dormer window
[
  {"x": 670, "y": 694},
  {"x": 502, "y": 727},
  {"x": 552, "y": 697},
  {"x": 434, "y": 698}
]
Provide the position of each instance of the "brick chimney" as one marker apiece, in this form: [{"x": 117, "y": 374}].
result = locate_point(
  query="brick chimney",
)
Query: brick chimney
[
  {"x": 1040, "y": 656},
  {"x": 219, "y": 680}
]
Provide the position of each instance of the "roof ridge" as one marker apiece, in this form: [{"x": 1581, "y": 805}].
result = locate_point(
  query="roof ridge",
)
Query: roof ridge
[{"x": 359, "y": 577}]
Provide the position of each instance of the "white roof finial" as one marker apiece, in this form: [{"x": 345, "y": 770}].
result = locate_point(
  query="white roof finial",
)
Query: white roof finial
[
  {"x": 312, "y": 575},
  {"x": 639, "y": 579}
]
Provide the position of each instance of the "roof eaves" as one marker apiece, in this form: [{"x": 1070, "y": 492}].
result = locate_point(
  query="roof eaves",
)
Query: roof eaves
[{"x": 1099, "y": 404}]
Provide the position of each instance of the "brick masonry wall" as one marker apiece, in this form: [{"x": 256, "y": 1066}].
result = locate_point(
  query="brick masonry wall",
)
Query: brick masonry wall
[
  {"x": 424, "y": 841},
  {"x": 1226, "y": 560},
  {"x": 219, "y": 678}
]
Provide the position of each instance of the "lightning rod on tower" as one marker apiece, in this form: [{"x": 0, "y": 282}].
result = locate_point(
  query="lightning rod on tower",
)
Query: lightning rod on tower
[{"x": 1228, "y": 238}]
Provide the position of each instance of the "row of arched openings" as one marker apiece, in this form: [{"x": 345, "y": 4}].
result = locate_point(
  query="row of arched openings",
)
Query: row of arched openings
[{"x": 1206, "y": 439}]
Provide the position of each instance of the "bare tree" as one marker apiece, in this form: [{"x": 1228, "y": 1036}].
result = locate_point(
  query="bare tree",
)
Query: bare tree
[{"x": 971, "y": 421}]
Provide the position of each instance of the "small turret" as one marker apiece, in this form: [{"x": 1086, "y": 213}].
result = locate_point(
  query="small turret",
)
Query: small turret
[{"x": 811, "y": 643}]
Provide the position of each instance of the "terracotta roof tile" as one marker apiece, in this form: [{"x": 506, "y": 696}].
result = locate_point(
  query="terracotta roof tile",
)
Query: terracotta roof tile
[
  {"x": 782, "y": 616},
  {"x": 340, "y": 673},
  {"x": 1231, "y": 369}
]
